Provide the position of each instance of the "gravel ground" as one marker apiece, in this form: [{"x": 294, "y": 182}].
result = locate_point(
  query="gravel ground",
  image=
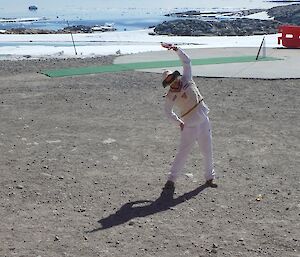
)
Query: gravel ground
[{"x": 83, "y": 161}]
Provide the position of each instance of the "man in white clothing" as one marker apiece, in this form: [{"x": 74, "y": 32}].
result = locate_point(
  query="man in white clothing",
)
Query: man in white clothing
[{"x": 193, "y": 120}]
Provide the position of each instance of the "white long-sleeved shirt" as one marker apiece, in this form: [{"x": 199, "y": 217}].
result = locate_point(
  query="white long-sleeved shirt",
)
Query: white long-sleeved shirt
[{"x": 186, "y": 97}]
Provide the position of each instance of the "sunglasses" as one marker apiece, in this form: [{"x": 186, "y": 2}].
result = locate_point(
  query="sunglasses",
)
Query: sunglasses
[{"x": 171, "y": 78}]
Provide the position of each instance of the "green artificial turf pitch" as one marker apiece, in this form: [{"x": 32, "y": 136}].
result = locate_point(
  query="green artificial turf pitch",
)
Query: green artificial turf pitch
[{"x": 148, "y": 65}]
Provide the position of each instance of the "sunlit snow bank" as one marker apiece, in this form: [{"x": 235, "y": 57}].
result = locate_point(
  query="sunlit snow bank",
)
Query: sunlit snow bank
[{"x": 108, "y": 43}]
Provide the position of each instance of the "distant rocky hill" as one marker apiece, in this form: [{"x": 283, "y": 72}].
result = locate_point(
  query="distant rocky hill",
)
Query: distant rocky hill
[
  {"x": 286, "y": 14},
  {"x": 240, "y": 27},
  {"x": 66, "y": 30},
  {"x": 232, "y": 27}
]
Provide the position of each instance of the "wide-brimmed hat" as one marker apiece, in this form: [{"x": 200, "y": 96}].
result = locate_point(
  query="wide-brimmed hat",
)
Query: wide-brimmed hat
[{"x": 168, "y": 73}]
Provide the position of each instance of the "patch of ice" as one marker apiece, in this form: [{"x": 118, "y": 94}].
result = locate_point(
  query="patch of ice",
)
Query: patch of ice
[
  {"x": 53, "y": 141},
  {"x": 260, "y": 16},
  {"x": 189, "y": 175}
]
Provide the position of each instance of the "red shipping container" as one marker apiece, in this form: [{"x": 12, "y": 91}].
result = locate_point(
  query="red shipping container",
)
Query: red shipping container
[{"x": 290, "y": 36}]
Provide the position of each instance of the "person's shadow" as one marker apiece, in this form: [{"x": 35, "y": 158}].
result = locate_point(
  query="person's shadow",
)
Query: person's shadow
[{"x": 143, "y": 208}]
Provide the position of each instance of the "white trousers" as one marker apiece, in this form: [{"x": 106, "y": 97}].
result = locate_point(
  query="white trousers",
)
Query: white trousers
[{"x": 200, "y": 133}]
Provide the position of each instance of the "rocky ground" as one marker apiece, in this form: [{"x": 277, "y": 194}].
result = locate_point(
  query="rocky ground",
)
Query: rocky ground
[{"x": 83, "y": 161}]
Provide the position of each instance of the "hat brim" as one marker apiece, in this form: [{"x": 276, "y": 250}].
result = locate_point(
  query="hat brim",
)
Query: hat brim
[{"x": 174, "y": 75}]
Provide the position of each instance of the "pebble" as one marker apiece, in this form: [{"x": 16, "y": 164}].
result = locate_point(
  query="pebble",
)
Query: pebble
[
  {"x": 189, "y": 175},
  {"x": 108, "y": 141},
  {"x": 19, "y": 187},
  {"x": 214, "y": 250},
  {"x": 259, "y": 197}
]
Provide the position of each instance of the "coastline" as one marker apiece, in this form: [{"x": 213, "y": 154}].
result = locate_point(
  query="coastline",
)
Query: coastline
[
  {"x": 27, "y": 25},
  {"x": 58, "y": 45}
]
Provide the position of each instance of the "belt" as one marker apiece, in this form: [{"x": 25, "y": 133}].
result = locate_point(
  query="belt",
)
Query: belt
[{"x": 191, "y": 108}]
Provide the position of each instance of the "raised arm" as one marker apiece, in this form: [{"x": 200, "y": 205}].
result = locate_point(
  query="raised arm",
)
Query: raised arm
[{"x": 185, "y": 60}]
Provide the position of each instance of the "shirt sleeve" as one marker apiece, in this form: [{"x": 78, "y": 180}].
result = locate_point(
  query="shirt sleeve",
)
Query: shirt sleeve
[
  {"x": 186, "y": 63},
  {"x": 171, "y": 115}
]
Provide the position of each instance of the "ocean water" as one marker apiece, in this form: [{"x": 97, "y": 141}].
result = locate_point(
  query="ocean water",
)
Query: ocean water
[{"x": 124, "y": 14}]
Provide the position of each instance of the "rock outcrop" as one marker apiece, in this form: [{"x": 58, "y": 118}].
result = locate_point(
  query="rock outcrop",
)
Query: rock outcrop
[
  {"x": 232, "y": 27},
  {"x": 238, "y": 27},
  {"x": 286, "y": 14}
]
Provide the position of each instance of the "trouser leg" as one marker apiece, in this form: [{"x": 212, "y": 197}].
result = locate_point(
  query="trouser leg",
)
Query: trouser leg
[
  {"x": 205, "y": 143},
  {"x": 187, "y": 140}
]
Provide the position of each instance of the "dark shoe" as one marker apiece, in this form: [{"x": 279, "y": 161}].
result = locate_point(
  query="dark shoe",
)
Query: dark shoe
[
  {"x": 210, "y": 183},
  {"x": 169, "y": 185}
]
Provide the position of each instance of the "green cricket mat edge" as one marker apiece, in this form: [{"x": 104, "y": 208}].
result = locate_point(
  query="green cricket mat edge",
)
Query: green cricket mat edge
[{"x": 149, "y": 65}]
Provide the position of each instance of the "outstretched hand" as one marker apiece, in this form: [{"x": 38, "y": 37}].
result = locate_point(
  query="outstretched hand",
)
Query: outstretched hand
[{"x": 169, "y": 46}]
